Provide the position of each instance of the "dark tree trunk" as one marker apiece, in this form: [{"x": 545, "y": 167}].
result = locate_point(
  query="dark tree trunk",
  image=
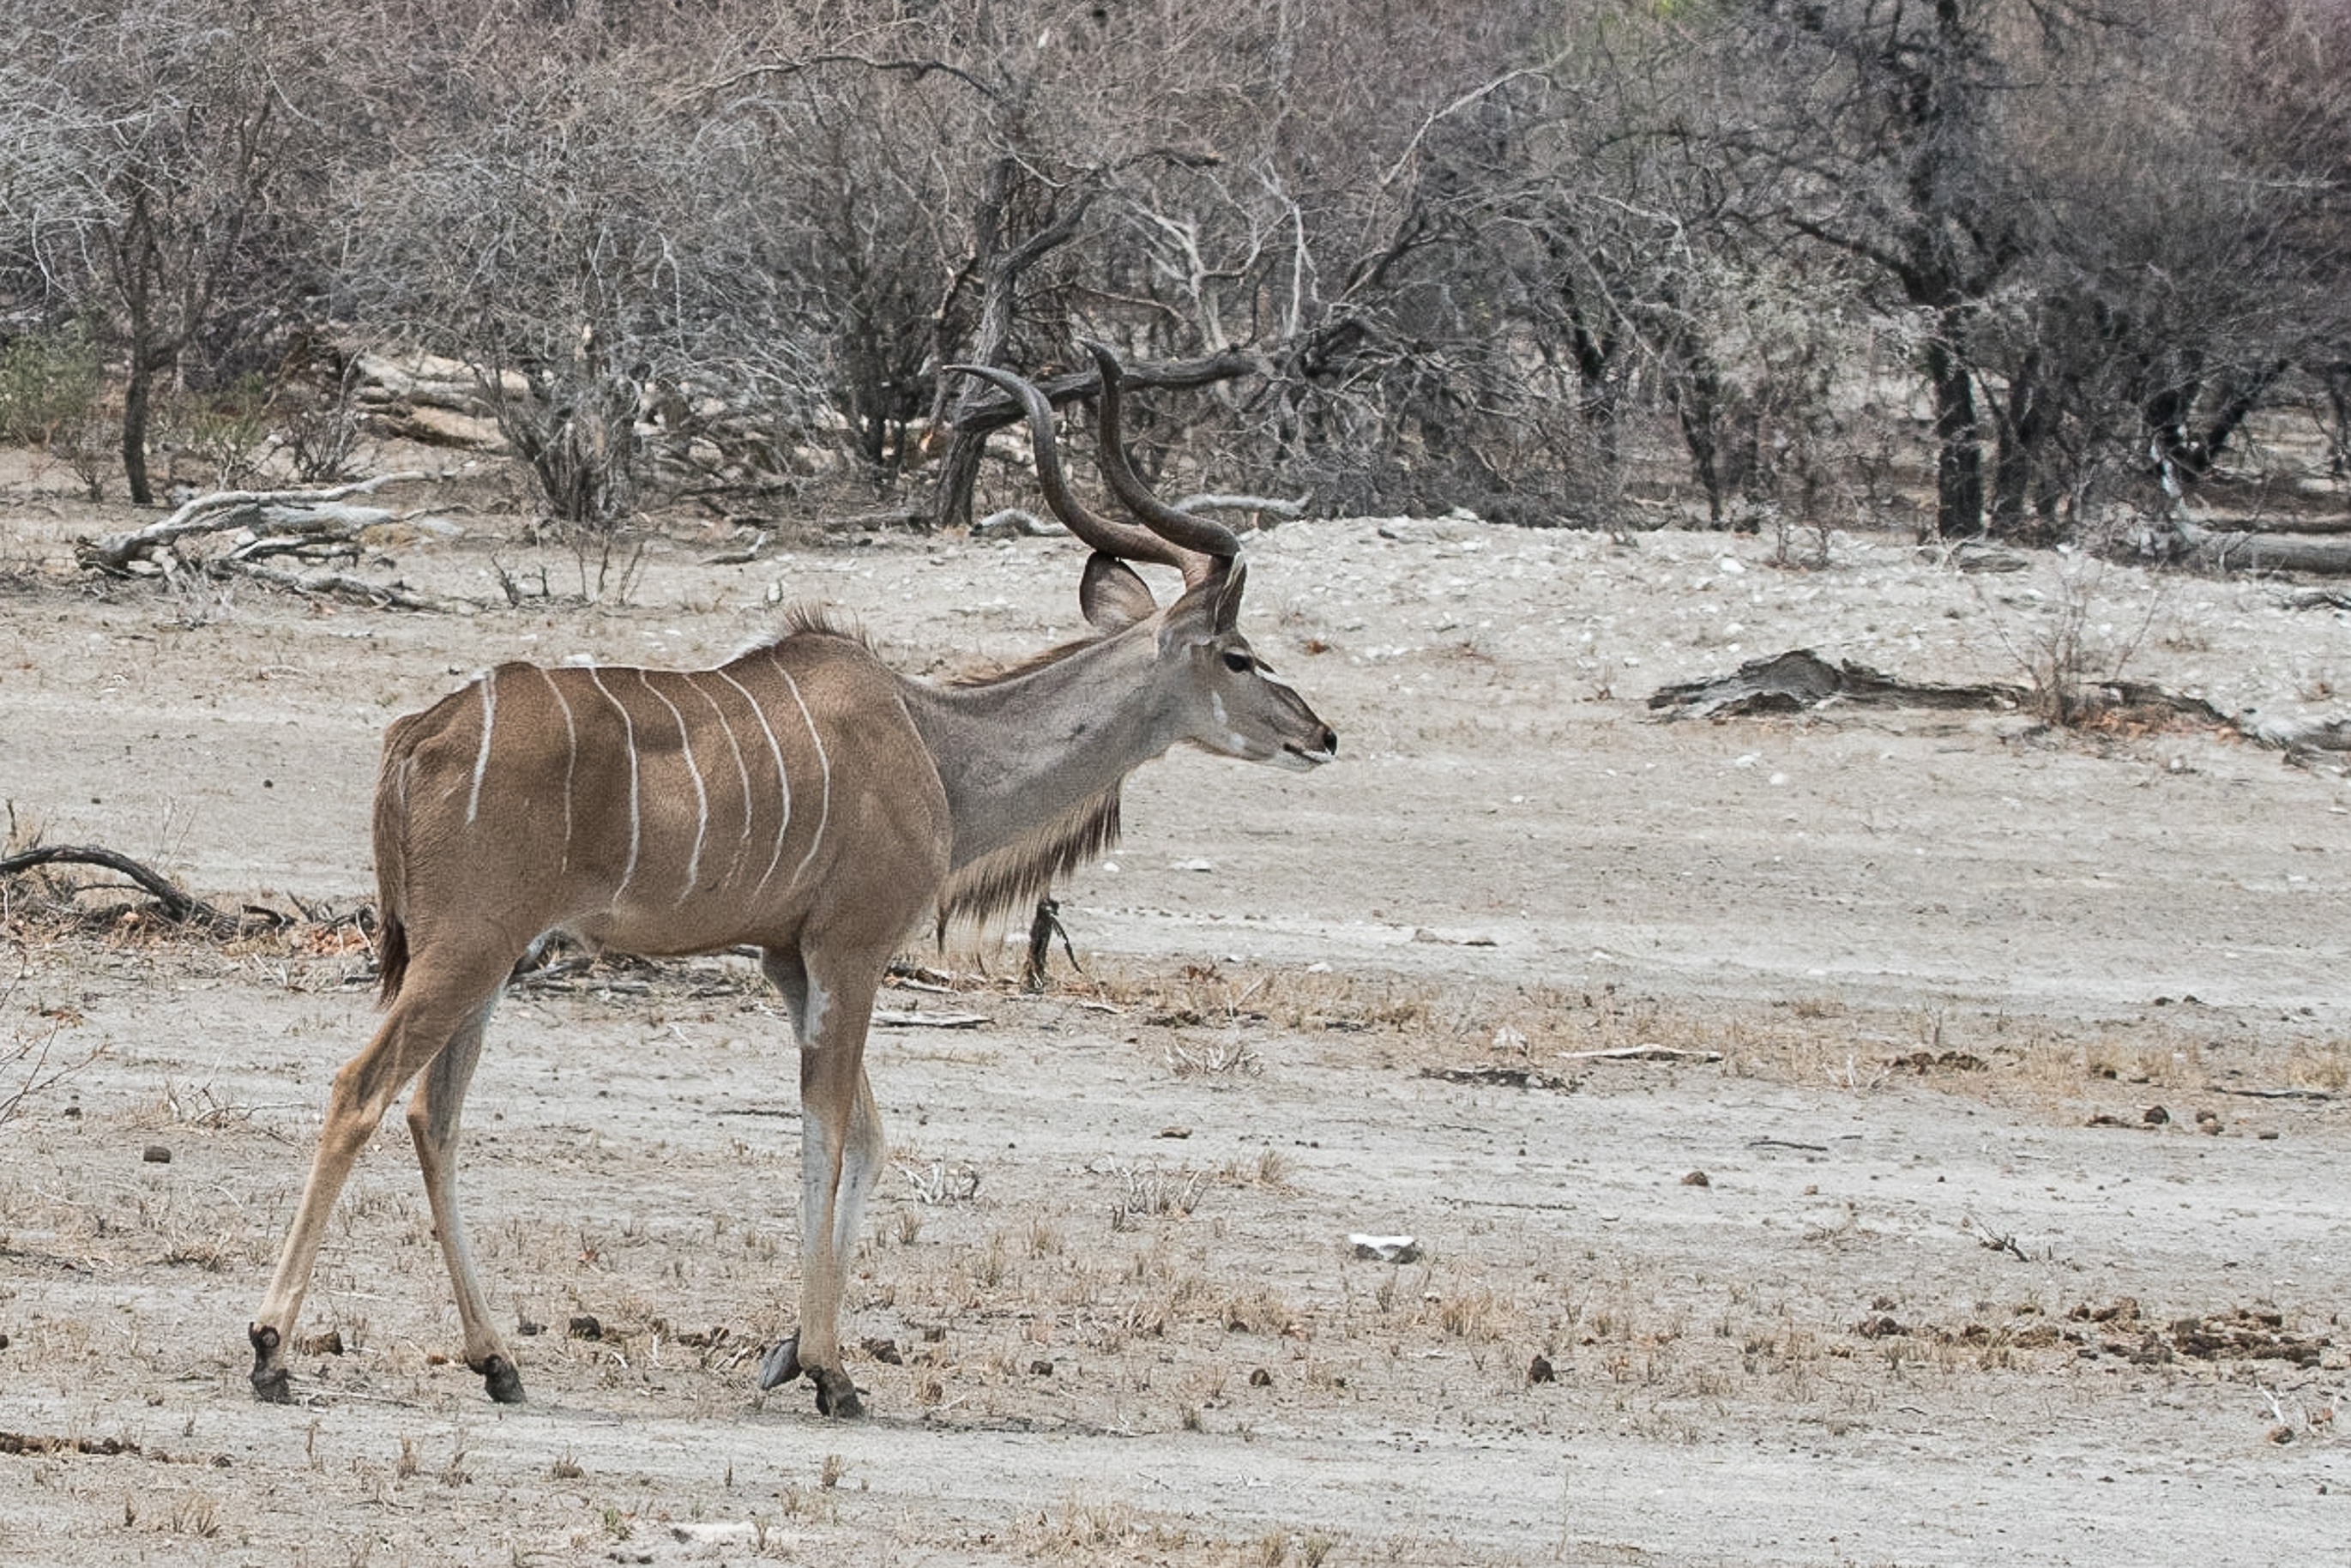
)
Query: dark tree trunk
[
  {"x": 1698, "y": 409},
  {"x": 1959, "y": 445},
  {"x": 2193, "y": 450},
  {"x": 2165, "y": 416},
  {"x": 138, "y": 404},
  {"x": 137, "y": 261},
  {"x": 2337, "y": 376},
  {"x": 1595, "y": 357},
  {"x": 2026, "y": 425}
]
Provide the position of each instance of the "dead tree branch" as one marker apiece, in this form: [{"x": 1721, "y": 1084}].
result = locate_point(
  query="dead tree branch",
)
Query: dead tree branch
[
  {"x": 736, "y": 81},
  {"x": 177, "y": 905},
  {"x": 343, "y": 586},
  {"x": 285, "y": 512},
  {"x": 26, "y": 1070},
  {"x": 2252, "y": 550},
  {"x": 1273, "y": 505}
]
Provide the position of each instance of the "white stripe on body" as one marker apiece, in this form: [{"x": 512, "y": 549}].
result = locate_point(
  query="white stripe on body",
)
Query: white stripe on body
[
  {"x": 783, "y": 779},
  {"x": 701, "y": 791},
  {"x": 570, "y": 758},
  {"x": 742, "y": 773},
  {"x": 629, "y": 745},
  {"x": 489, "y": 687}
]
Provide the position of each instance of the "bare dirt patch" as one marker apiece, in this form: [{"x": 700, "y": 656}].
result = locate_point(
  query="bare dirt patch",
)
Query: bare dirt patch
[{"x": 1942, "y": 1290}]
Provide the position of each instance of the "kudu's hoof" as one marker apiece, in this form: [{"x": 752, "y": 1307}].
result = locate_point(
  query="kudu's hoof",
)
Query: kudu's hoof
[
  {"x": 835, "y": 1396},
  {"x": 499, "y": 1377},
  {"x": 781, "y": 1364},
  {"x": 272, "y": 1385}
]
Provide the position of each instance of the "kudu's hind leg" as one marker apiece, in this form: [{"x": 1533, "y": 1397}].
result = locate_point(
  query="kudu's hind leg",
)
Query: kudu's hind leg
[
  {"x": 841, "y": 1152},
  {"x": 432, "y": 1124},
  {"x": 422, "y": 1020}
]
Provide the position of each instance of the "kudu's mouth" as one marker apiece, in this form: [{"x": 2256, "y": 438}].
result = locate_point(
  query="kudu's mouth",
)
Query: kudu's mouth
[{"x": 1298, "y": 760}]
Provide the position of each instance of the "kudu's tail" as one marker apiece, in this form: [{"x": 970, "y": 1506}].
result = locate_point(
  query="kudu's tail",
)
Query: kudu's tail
[
  {"x": 391, "y": 957},
  {"x": 391, "y": 836}
]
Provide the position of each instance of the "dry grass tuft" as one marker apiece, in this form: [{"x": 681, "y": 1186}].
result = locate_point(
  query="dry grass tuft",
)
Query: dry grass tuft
[
  {"x": 2323, "y": 1066},
  {"x": 1215, "y": 1057},
  {"x": 1153, "y": 1193}
]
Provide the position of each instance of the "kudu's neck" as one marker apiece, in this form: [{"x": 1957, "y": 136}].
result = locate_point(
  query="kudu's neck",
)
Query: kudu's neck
[{"x": 1019, "y": 754}]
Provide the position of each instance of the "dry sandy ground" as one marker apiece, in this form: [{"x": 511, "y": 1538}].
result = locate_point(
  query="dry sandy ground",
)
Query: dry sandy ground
[{"x": 1919, "y": 1311}]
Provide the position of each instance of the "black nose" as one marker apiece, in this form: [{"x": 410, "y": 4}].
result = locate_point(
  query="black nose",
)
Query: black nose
[{"x": 1330, "y": 740}]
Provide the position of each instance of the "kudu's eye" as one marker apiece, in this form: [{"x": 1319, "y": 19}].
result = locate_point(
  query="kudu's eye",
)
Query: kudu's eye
[{"x": 1239, "y": 661}]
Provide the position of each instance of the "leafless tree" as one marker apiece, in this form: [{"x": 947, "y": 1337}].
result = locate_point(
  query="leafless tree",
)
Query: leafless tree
[
  {"x": 582, "y": 238},
  {"x": 1414, "y": 253},
  {"x": 2089, "y": 216},
  {"x": 2203, "y": 254},
  {"x": 165, "y": 181}
]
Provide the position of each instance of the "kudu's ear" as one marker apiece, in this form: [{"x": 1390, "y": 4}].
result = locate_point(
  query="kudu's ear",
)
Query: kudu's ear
[{"x": 1112, "y": 594}]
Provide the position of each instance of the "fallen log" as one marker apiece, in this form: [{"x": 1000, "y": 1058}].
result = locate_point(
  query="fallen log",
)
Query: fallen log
[
  {"x": 2317, "y": 524},
  {"x": 2297, "y": 736},
  {"x": 1014, "y": 521},
  {"x": 307, "y": 530},
  {"x": 1644, "y": 1053},
  {"x": 283, "y": 511},
  {"x": 2243, "y": 549},
  {"x": 1800, "y": 679},
  {"x": 1274, "y": 506},
  {"x": 908, "y": 518},
  {"x": 352, "y": 590}
]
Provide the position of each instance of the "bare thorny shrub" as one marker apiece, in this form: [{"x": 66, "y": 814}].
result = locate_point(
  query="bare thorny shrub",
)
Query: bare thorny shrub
[
  {"x": 29, "y": 1064},
  {"x": 2072, "y": 645}
]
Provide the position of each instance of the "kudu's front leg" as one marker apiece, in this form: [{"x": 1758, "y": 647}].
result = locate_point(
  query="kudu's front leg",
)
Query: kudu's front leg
[{"x": 840, "y": 1157}]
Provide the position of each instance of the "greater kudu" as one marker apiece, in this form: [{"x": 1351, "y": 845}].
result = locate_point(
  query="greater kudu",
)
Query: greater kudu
[{"x": 802, "y": 799}]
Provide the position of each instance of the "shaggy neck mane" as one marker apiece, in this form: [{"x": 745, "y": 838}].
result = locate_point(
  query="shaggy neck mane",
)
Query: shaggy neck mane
[
  {"x": 1016, "y": 877},
  {"x": 1019, "y": 875},
  {"x": 816, "y": 619},
  {"x": 1033, "y": 758}
]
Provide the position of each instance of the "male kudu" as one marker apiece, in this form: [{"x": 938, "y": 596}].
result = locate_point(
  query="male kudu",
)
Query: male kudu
[{"x": 802, "y": 799}]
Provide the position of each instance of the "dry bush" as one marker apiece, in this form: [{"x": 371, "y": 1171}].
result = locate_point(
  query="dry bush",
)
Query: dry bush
[
  {"x": 30, "y": 1066},
  {"x": 2070, "y": 645},
  {"x": 1154, "y": 1194},
  {"x": 54, "y": 398}
]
